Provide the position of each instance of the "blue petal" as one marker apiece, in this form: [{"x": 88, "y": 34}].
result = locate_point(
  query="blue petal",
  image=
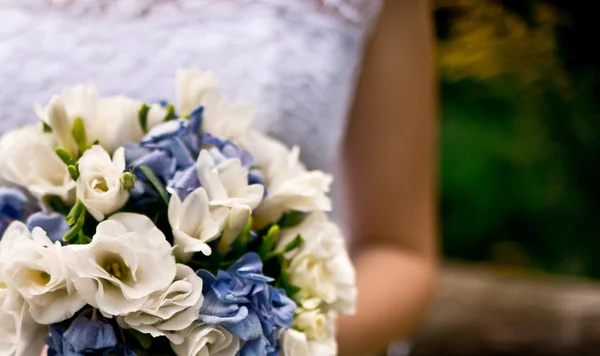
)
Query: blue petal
[
  {"x": 88, "y": 335},
  {"x": 12, "y": 203},
  {"x": 248, "y": 328},
  {"x": 186, "y": 181},
  {"x": 54, "y": 224},
  {"x": 256, "y": 347}
]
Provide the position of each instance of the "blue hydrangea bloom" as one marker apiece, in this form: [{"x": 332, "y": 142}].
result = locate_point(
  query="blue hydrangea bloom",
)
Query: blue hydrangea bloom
[
  {"x": 241, "y": 300},
  {"x": 169, "y": 150},
  {"x": 54, "y": 224},
  {"x": 86, "y": 337},
  {"x": 12, "y": 206},
  {"x": 224, "y": 149}
]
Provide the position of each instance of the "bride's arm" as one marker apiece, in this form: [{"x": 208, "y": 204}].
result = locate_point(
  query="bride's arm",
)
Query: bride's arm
[{"x": 389, "y": 167}]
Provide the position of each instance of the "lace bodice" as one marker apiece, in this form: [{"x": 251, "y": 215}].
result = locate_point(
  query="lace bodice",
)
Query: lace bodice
[{"x": 296, "y": 59}]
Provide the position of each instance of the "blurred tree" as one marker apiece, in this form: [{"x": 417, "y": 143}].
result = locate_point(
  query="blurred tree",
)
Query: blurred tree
[{"x": 519, "y": 134}]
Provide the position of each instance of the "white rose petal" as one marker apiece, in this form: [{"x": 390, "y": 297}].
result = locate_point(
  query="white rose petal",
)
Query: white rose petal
[
  {"x": 227, "y": 183},
  {"x": 312, "y": 322},
  {"x": 294, "y": 343},
  {"x": 19, "y": 334},
  {"x": 206, "y": 340},
  {"x": 27, "y": 159},
  {"x": 99, "y": 184},
  {"x": 169, "y": 311},
  {"x": 321, "y": 267},
  {"x": 39, "y": 270},
  {"x": 128, "y": 260}
]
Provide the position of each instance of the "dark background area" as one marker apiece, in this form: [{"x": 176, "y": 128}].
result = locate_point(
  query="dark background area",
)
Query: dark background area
[{"x": 520, "y": 124}]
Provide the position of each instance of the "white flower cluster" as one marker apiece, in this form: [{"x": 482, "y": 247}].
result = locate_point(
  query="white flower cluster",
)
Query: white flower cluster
[{"x": 118, "y": 262}]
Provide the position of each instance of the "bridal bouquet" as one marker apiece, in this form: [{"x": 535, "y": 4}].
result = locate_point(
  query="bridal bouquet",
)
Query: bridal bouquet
[{"x": 153, "y": 229}]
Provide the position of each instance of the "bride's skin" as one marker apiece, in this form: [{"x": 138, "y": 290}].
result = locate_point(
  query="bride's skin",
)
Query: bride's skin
[{"x": 389, "y": 167}]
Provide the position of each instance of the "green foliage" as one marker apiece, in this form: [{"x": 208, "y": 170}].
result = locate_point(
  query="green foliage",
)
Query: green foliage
[
  {"x": 156, "y": 183},
  {"x": 143, "y": 117},
  {"x": 80, "y": 135}
]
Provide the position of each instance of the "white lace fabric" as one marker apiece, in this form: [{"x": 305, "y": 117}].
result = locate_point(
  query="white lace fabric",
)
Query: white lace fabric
[{"x": 297, "y": 60}]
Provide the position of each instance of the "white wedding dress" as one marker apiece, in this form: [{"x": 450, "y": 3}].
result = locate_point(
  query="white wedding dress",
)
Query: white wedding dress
[{"x": 297, "y": 60}]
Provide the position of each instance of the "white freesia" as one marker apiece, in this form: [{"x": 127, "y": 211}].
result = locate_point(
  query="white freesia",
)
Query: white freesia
[
  {"x": 205, "y": 340},
  {"x": 128, "y": 260},
  {"x": 27, "y": 159},
  {"x": 227, "y": 183},
  {"x": 193, "y": 223},
  {"x": 169, "y": 311},
  {"x": 38, "y": 269},
  {"x": 321, "y": 267},
  {"x": 112, "y": 121},
  {"x": 195, "y": 88},
  {"x": 19, "y": 334},
  {"x": 290, "y": 185},
  {"x": 191, "y": 87},
  {"x": 99, "y": 184}
]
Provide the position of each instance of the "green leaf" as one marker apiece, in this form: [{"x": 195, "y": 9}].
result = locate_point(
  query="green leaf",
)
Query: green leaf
[
  {"x": 75, "y": 234},
  {"x": 55, "y": 203},
  {"x": 145, "y": 340},
  {"x": 79, "y": 135},
  {"x": 240, "y": 243},
  {"x": 269, "y": 241},
  {"x": 75, "y": 212},
  {"x": 65, "y": 157},
  {"x": 291, "y": 219},
  {"x": 46, "y": 128},
  {"x": 156, "y": 183},
  {"x": 170, "y": 112},
  {"x": 297, "y": 242},
  {"x": 284, "y": 281},
  {"x": 143, "y": 117}
]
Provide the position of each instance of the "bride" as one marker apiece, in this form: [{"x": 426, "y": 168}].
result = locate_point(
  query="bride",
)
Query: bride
[{"x": 299, "y": 61}]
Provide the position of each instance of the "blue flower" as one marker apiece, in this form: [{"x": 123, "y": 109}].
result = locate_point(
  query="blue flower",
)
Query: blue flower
[
  {"x": 169, "y": 150},
  {"x": 224, "y": 149},
  {"x": 86, "y": 337},
  {"x": 54, "y": 224},
  {"x": 12, "y": 206},
  {"x": 241, "y": 300}
]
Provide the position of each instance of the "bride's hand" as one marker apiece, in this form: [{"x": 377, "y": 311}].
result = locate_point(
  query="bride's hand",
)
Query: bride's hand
[{"x": 44, "y": 351}]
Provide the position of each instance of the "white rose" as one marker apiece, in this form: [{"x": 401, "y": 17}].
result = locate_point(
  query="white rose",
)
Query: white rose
[
  {"x": 294, "y": 343},
  {"x": 193, "y": 223},
  {"x": 27, "y": 159},
  {"x": 99, "y": 184},
  {"x": 171, "y": 310},
  {"x": 112, "y": 121},
  {"x": 205, "y": 340},
  {"x": 128, "y": 260},
  {"x": 227, "y": 183},
  {"x": 290, "y": 185},
  {"x": 195, "y": 88},
  {"x": 39, "y": 270},
  {"x": 19, "y": 334},
  {"x": 321, "y": 267}
]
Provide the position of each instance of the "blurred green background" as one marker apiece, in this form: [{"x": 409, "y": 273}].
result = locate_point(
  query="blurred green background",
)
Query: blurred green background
[{"x": 520, "y": 127}]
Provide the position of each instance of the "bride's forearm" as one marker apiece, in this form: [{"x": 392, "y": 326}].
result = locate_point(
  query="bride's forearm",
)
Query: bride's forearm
[{"x": 394, "y": 288}]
